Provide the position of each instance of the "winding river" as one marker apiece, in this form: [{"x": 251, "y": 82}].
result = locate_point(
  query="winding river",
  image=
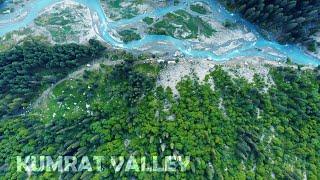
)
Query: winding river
[{"x": 248, "y": 49}]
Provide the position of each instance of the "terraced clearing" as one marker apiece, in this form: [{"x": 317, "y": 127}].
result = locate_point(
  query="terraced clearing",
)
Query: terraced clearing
[{"x": 74, "y": 97}]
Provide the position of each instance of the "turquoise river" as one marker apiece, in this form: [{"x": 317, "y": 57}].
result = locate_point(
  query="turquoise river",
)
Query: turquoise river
[{"x": 30, "y": 11}]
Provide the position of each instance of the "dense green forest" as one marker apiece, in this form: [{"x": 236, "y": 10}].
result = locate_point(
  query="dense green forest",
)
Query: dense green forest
[
  {"x": 290, "y": 20},
  {"x": 252, "y": 134},
  {"x": 30, "y": 67}
]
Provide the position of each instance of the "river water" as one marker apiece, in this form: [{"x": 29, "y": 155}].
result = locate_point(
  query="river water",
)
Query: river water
[{"x": 248, "y": 49}]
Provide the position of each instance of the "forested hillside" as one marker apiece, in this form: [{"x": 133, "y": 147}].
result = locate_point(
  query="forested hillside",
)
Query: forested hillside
[
  {"x": 242, "y": 119},
  {"x": 289, "y": 20},
  {"x": 28, "y": 68},
  {"x": 237, "y": 130}
]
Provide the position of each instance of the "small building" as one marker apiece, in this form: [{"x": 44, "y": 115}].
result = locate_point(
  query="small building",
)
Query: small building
[{"x": 160, "y": 61}]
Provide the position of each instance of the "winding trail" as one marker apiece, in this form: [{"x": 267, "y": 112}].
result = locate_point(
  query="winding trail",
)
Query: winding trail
[{"x": 74, "y": 75}]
